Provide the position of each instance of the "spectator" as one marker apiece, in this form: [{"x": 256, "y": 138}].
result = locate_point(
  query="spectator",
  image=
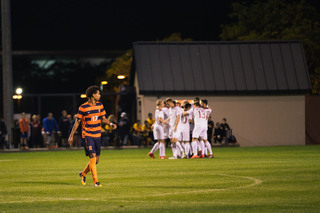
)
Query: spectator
[
  {"x": 108, "y": 136},
  {"x": 150, "y": 119},
  {"x": 218, "y": 133},
  {"x": 64, "y": 126},
  {"x": 3, "y": 135},
  {"x": 77, "y": 135},
  {"x": 226, "y": 129},
  {"x": 210, "y": 129},
  {"x": 24, "y": 129},
  {"x": 123, "y": 129},
  {"x": 16, "y": 133},
  {"x": 137, "y": 133},
  {"x": 36, "y": 131},
  {"x": 151, "y": 122},
  {"x": 146, "y": 130},
  {"x": 50, "y": 124},
  {"x": 224, "y": 124}
]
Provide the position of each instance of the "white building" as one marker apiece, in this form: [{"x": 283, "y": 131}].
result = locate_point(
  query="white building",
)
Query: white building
[{"x": 259, "y": 87}]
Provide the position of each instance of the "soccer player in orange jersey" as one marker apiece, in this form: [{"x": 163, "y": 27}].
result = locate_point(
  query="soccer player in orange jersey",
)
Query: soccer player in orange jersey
[{"x": 91, "y": 114}]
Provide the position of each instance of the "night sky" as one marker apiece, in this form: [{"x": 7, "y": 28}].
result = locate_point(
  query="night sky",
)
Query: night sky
[{"x": 102, "y": 24}]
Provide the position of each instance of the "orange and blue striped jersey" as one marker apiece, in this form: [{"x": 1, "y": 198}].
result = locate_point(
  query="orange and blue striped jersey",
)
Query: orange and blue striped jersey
[{"x": 91, "y": 116}]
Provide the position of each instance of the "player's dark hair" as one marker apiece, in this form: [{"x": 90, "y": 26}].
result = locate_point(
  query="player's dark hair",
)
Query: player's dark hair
[
  {"x": 196, "y": 99},
  {"x": 169, "y": 100},
  {"x": 92, "y": 90},
  {"x": 204, "y": 101},
  {"x": 187, "y": 106},
  {"x": 197, "y": 104}
]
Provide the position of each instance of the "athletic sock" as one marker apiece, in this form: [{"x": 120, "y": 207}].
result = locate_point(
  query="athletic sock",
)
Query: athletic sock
[
  {"x": 183, "y": 145},
  {"x": 162, "y": 147},
  {"x": 199, "y": 146},
  {"x": 205, "y": 151},
  {"x": 179, "y": 148},
  {"x": 155, "y": 148},
  {"x": 174, "y": 149},
  {"x": 86, "y": 170},
  {"x": 208, "y": 145},
  {"x": 194, "y": 145},
  {"x": 93, "y": 169},
  {"x": 187, "y": 148},
  {"x": 202, "y": 146},
  {"x": 160, "y": 150}
]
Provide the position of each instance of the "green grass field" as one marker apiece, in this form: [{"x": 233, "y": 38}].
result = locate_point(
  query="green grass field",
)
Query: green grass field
[{"x": 259, "y": 179}]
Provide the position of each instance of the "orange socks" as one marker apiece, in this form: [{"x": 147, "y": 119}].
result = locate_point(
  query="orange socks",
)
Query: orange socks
[
  {"x": 93, "y": 169},
  {"x": 86, "y": 170}
]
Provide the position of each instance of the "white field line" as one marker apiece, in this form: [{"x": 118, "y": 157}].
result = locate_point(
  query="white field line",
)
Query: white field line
[{"x": 255, "y": 182}]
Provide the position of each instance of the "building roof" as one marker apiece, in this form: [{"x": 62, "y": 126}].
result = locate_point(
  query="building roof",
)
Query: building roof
[{"x": 271, "y": 67}]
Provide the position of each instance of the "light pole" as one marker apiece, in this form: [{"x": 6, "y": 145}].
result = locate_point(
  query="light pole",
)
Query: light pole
[{"x": 7, "y": 66}]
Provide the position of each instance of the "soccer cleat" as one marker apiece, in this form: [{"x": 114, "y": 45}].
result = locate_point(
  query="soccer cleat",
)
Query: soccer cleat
[
  {"x": 195, "y": 156},
  {"x": 97, "y": 184},
  {"x": 172, "y": 158},
  {"x": 151, "y": 155},
  {"x": 162, "y": 157},
  {"x": 210, "y": 156},
  {"x": 83, "y": 179},
  {"x": 201, "y": 156}
]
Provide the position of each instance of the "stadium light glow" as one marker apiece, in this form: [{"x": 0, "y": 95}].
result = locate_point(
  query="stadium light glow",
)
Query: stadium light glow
[
  {"x": 104, "y": 82},
  {"x": 83, "y": 96},
  {"x": 19, "y": 91},
  {"x": 121, "y": 76},
  {"x": 17, "y": 97}
]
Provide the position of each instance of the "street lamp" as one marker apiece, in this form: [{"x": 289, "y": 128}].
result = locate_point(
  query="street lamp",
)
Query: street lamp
[
  {"x": 121, "y": 77},
  {"x": 102, "y": 84},
  {"x": 19, "y": 91},
  {"x": 18, "y": 95}
]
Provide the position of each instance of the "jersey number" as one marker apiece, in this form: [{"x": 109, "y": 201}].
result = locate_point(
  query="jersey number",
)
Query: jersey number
[
  {"x": 202, "y": 115},
  {"x": 94, "y": 118}
]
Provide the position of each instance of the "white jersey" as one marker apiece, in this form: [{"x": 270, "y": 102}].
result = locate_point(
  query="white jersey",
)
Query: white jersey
[
  {"x": 173, "y": 112},
  {"x": 207, "y": 112},
  {"x": 158, "y": 114},
  {"x": 199, "y": 117},
  {"x": 184, "y": 122},
  {"x": 165, "y": 111}
]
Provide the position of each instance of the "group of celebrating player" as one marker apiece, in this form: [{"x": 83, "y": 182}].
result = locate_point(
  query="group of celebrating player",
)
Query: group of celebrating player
[{"x": 174, "y": 123}]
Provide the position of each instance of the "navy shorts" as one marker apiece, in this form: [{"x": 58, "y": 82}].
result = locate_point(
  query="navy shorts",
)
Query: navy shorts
[
  {"x": 92, "y": 145},
  {"x": 24, "y": 135}
]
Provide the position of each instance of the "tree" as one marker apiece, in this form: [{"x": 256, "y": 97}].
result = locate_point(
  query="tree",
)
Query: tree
[
  {"x": 279, "y": 20},
  {"x": 122, "y": 64}
]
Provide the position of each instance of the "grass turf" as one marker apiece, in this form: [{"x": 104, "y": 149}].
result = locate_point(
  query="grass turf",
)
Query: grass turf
[{"x": 256, "y": 179}]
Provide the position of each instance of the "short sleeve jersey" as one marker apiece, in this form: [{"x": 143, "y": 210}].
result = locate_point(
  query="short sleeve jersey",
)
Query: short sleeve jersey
[
  {"x": 91, "y": 116},
  {"x": 173, "y": 113},
  {"x": 207, "y": 111},
  {"x": 184, "y": 122},
  {"x": 199, "y": 116},
  {"x": 165, "y": 111},
  {"x": 158, "y": 114}
]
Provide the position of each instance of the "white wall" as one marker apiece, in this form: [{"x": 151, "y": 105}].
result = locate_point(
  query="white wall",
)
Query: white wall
[{"x": 255, "y": 120}]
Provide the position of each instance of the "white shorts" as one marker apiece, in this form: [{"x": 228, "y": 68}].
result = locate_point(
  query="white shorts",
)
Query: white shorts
[
  {"x": 200, "y": 132},
  {"x": 158, "y": 132},
  {"x": 166, "y": 131},
  {"x": 184, "y": 135},
  {"x": 175, "y": 134}
]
